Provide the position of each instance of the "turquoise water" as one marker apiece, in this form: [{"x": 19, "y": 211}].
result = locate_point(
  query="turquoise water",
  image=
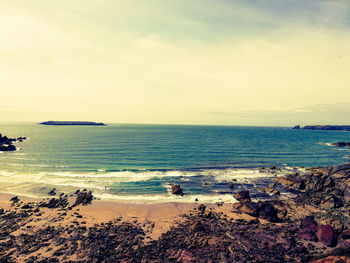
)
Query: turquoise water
[{"x": 140, "y": 162}]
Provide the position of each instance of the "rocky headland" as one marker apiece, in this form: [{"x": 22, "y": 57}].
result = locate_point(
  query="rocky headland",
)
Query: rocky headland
[
  {"x": 73, "y": 123},
  {"x": 310, "y": 224},
  {"x": 324, "y": 127},
  {"x": 6, "y": 144}
]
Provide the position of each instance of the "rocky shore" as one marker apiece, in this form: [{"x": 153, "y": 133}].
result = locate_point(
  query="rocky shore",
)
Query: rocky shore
[
  {"x": 311, "y": 224},
  {"x": 6, "y": 144}
]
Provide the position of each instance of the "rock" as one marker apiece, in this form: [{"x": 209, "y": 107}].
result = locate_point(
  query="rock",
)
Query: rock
[
  {"x": 197, "y": 226},
  {"x": 242, "y": 196},
  {"x": 269, "y": 190},
  {"x": 186, "y": 257},
  {"x": 201, "y": 208},
  {"x": 272, "y": 185},
  {"x": 308, "y": 223},
  {"x": 7, "y": 148},
  {"x": 346, "y": 234},
  {"x": 285, "y": 182},
  {"x": 250, "y": 209},
  {"x": 307, "y": 234},
  {"x": 296, "y": 127},
  {"x": 1, "y": 211},
  {"x": 267, "y": 211},
  {"x": 341, "y": 144},
  {"x": 176, "y": 190},
  {"x": 83, "y": 198},
  {"x": 326, "y": 235},
  {"x": 27, "y": 206},
  {"x": 14, "y": 199},
  {"x": 55, "y": 203},
  {"x": 52, "y": 192},
  {"x": 337, "y": 202}
]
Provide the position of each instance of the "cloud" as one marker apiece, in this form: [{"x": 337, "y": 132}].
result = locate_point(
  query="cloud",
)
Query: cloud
[{"x": 198, "y": 61}]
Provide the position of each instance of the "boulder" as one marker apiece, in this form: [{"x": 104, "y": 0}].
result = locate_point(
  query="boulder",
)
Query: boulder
[
  {"x": 242, "y": 196},
  {"x": 326, "y": 235},
  {"x": 250, "y": 209},
  {"x": 176, "y": 190},
  {"x": 308, "y": 223},
  {"x": 14, "y": 199},
  {"x": 267, "y": 211}
]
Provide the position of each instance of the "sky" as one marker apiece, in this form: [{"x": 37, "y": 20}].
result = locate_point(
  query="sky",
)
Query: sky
[{"x": 212, "y": 62}]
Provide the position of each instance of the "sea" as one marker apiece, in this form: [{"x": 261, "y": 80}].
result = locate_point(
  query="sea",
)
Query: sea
[{"x": 138, "y": 163}]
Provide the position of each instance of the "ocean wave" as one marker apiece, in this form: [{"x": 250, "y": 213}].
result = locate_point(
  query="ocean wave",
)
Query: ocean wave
[{"x": 148, "y": 186}]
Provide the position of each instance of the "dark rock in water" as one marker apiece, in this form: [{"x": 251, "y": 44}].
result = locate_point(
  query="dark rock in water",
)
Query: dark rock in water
[
  {"x": 242, "y": 196},
  {"x": 52, "y": 192},
  {"x": 1, "y": 211},
  {"x": 341, "y": 144},
  {"x": 7, "y": 148},
  {"x": 83, "y": 198},
  {"x": 6, "y": 143},
  {"x": 296, "y": 127},
  {"x": 176, "y": 190},
  {"x": 326, "y": 235},
  {"x": 14, "y": 199}
]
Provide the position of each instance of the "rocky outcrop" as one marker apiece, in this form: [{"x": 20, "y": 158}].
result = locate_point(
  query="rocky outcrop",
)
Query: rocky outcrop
[
  {"x": 327, "y": 127},
  {"x": 261, "y": 209},
  {"x": 83, "y": 198},
  {"x": 6, "y": 144}
]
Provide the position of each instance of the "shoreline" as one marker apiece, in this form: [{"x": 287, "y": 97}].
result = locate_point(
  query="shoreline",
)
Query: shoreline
[{"x": 312, "y": 225}]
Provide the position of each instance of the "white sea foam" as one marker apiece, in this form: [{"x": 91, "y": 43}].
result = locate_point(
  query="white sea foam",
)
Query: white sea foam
[{"x": 102, "y": 182}]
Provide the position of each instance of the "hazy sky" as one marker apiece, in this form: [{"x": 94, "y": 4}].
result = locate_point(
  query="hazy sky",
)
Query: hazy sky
[{"x": 251, "y": 62}]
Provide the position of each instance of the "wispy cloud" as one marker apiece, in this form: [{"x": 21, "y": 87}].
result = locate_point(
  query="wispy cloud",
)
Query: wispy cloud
[{"x": 191, "y": 61}]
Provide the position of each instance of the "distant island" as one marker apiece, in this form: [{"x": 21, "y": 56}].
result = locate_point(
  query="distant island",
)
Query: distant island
[
  {"x": 324, "y": 127},
  {"x": 68, "y": 123}
]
